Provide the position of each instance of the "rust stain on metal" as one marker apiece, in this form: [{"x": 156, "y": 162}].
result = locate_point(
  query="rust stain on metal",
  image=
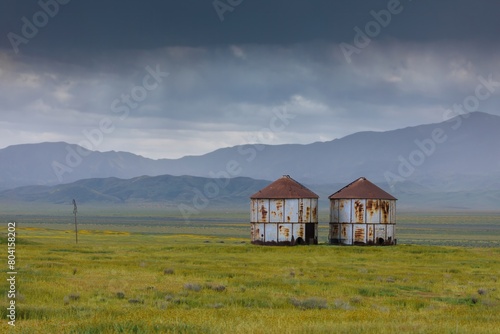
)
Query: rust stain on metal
[
  {"x": 283, "y": 209},
  {"x": 343, "y": 232},
  {"x": 359, "y": 235},
  {"x": 359, "y": 211},
  {"x": 336, "y": 230},
  {"x": 263, "y": 212},
  {"x": 285, "y": 237},
  {"x": 279, "y": 207},
  {"x": 372, "y": 206},
  {"x": 384, "y": 206},
  {"x": 255, "y": 232},
  {"x": 301, "y": 211},
  {"x": 334, "y": 234},
  {"x": 284, "y": 187},
  {"x": 301, "y": 231},
  {"x": 284, "y": 231},
  {"x": 361, "y": 188}
]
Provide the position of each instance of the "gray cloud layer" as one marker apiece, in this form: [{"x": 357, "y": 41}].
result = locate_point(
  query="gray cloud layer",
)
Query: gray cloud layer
[{"x": 88, "y": 76}]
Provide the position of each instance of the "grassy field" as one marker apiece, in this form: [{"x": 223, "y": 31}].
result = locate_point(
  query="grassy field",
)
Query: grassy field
[{"x": 155, "y": 273}]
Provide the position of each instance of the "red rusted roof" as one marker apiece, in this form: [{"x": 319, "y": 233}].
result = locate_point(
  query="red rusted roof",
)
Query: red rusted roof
[
  {"x": 284, "y": 187},
  {"x": 361, "y": 188}
]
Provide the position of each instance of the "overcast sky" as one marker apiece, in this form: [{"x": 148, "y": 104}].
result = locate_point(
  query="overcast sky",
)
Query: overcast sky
[{"x": 165, "y": 79}]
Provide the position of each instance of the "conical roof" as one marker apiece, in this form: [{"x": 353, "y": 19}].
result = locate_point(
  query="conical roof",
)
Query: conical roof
[
  {"x": 284, "y": 187},
  {"x": 361, "y": 188}
]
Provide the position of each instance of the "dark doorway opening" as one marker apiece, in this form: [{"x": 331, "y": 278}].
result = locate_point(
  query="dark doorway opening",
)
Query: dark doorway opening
[{"x": 310, "y": 233}]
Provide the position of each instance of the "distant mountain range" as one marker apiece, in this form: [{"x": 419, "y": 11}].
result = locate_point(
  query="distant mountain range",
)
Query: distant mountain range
[
  {"x": 190, "y": 195},
  {"x": 454, "y": 164},
  {"x": 169, "y": 190}
]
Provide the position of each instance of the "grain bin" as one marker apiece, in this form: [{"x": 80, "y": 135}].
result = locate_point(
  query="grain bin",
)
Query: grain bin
[
  {"x": 362, "y": 214},
  {"x": 284, "y": 213}
]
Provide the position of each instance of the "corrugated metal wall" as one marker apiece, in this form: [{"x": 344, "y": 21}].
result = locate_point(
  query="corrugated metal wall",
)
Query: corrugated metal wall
[
  {"x": 362, "y": 222},
  {"x": 284, "y": 221}
]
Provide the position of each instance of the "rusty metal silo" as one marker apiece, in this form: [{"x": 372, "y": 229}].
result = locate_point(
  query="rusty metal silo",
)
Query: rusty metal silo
[
  {"x": 284, "y": 213},
  {"x": 362, "y": 214}
]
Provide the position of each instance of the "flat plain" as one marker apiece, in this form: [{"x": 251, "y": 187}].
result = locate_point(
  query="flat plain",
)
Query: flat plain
[{"x": 147, "y": 270}]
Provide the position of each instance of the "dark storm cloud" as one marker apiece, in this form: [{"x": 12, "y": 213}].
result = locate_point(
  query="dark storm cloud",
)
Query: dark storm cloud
[
  {"x": 104, "y": 25},
  {"x": 227, "y": 80}
]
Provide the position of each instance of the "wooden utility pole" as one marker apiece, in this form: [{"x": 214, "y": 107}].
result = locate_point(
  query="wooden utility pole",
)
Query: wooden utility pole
[{"x": 75, "y": 210}]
